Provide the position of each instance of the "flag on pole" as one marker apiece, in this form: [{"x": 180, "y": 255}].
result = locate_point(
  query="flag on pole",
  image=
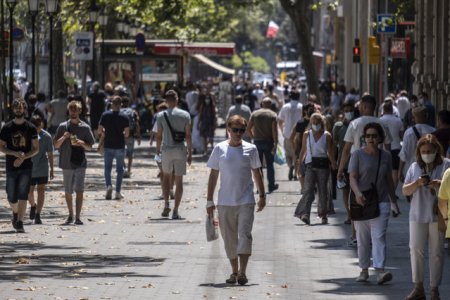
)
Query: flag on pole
[{"x": 272, "y": 30}]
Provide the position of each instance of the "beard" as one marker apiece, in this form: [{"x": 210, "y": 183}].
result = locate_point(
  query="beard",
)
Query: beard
[{"x": 19, "y": 115}]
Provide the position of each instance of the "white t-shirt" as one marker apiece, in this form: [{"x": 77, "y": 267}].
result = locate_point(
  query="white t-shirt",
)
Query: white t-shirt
[
  {"x": 235, "y": 166},
  {"x": 355, "y": 132},
  {"x": 290, "y": 113},
  {"x": 408, "y": 152},
  {"x": 422, "y": 201},
  {"x": 395, "y": 126},
  {"x": 403, "y": 105},
  {"x": 191, "y": 100}
]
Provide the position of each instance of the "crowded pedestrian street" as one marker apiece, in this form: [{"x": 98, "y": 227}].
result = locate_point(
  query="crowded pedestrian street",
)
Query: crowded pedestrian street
[{"x": 125, "y": 250}]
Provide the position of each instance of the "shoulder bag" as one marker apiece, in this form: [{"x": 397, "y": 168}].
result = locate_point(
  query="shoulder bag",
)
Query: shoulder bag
[
  {"x": 370, "y": 210},
  {"x": 177, "y": 136},
  {"x": 318, "y": 162}
]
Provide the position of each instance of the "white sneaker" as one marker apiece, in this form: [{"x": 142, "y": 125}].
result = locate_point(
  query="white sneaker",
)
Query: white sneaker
[
  {"x": 119, "y": 196},
  {"x": 109, "y": 191}
]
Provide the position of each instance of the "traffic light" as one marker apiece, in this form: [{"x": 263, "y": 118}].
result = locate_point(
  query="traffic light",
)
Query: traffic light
[
  {"x": 357, "y": 52},
  {"x": 374, "y": 51}
]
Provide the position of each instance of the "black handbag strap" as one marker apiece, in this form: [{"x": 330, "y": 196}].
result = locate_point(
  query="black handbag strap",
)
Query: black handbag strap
[
  {"x": 416, "y": 132},
  {"x": 378, "y": 168},
  {"x": 168, "y": 123}
]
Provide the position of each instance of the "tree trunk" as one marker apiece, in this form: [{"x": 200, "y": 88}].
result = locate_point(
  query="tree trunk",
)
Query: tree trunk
[
  {"x": 300, "y": 14},
  {"x": 59, "y": 82}
]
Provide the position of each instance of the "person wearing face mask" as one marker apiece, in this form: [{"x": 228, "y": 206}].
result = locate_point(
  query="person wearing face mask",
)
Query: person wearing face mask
[
  {"x": 338, "y": 133},
  {"x": 317, "y": 153},
  {"x": 297, "y": 138},
  {"x": 426, "y": 229}
]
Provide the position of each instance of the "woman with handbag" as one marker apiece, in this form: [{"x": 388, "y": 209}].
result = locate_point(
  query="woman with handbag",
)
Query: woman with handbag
[
  {"x": 371, "y": 199},
  {"x": 317, "y": 153},
  {"x": 422, "y": 183}
]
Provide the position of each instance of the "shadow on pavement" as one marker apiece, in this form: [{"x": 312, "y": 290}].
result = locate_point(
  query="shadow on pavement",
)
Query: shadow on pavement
[
  {"x": 225, "y": 285},
  {"x": 348, "y": 286},
  {"x": 74, "y": 266}
]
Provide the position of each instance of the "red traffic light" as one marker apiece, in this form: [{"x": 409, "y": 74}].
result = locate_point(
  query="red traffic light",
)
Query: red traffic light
[
  {"x": 356, "y": 51},
  {"x": 356, "y": 54}
]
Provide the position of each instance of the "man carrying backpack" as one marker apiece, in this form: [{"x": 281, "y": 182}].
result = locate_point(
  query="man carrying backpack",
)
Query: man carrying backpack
[{"x": 135, "y": 133}]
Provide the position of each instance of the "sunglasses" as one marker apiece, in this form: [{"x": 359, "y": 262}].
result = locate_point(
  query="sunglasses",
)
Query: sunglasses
[
  {"x": 240, "y": 130},
  {"x": 373, "y": 136}
]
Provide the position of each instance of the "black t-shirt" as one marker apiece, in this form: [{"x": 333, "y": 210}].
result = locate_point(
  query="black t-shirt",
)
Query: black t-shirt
[
  {"x": 114, "y": 123},
  {"x": 18, "y": 138},
  {"x": 97, "y": 102},
  {"x": 443, "y": 136}
]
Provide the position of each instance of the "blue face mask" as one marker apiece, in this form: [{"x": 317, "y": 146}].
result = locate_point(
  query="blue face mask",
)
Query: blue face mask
[
  {"x": 348, "y": 115},
  {"x": 316, "y": 127}
]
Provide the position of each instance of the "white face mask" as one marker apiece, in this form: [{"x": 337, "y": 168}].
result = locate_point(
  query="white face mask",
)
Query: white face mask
[
  {"x": 316, "y": 127},
  {"x": 428, "y": 158},
  {"x": 348, "y": 115}
]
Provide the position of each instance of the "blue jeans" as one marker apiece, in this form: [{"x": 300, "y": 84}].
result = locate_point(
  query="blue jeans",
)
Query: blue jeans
[
  {"x": 110, "y": 155},
  {"x": 18, "y": 185},
  {"x": 265, "y": 149}
]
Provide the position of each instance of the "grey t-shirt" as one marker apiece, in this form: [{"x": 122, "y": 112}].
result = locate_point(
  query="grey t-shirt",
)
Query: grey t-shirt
[
  {"x": 178, "y": 119},
  {"x": 365, "y": 165},
  {"x": 59, "y": 107},
  {"x": 40, "y": 160},
  {"x": 82, "y": 131}
]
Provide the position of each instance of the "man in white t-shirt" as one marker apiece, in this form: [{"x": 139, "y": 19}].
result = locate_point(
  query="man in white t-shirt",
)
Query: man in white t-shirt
[
  {"x": 289, "y": 115},
  {"x": 402, "y": 104},
  {"x": 395, "y": 126},
  {"x": 236, "y": 161},
  {"x": 354, "y": 137},
  {"x": 412, "y": 135}
]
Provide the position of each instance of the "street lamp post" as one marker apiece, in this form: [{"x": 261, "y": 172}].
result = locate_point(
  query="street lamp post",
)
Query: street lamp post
[
  {"x": 103, "y": 21},
  {"x": 51, "y": 8},
  {"x": 93, "y": 15},
  {"x": 33, "y": 7},
  {"x": 11, "y": 6}
]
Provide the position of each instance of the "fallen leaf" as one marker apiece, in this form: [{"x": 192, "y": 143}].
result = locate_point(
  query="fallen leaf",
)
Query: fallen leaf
[
  {"x": 268, "y": 273},
  {"x": 284, "y": 286},
  {"x": 22, "y": 261}
]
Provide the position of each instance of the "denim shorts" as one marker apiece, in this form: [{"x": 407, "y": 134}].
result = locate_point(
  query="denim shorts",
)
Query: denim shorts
[
  {"x": 39, "y": 180},
  {"x": 18, "y": 185},
  {"x": 129, "y": 143}
]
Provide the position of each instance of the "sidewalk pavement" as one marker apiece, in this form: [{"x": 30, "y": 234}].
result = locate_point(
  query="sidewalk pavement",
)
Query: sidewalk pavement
[{"x": 126, "y": 250}]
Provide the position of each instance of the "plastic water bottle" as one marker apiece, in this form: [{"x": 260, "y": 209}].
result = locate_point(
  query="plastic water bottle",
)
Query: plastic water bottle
[{"x": 157, "y": 158}]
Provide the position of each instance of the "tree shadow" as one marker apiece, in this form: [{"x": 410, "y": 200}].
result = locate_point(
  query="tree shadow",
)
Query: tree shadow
[
  {"x": 348, "y": 286},
  {"x": 74, "y": 266}
]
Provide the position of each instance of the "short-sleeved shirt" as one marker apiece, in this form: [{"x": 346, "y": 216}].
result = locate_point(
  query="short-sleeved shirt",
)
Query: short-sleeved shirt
[
  {"x": 262, "y": 124},
  {"x": 444, "y": 194},
  {"x": 422, "y": 201},
  {"x": 365, "y": 166},
  {"x": 178, "y": 119},
  {"x": 114, "y": 123},
  {"x": 59, "y": 107},
  {"x": 395, "y": 126},
  {"x": 408, "y": 152},
  {"x": 355, "y": 132},
  {"x": 18, "y": 137},
  {"x": 235, "y": 166},
  {"x": 290, "y": 113},
  {"x": 338, "y": 132},
  {"x": 40, "y": 160},
  {"x": 241, "y": 110},
  {"x": 82, "y": 131}
]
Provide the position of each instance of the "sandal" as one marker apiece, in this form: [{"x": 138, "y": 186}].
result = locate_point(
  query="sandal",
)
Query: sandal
[
  {"x": 176, "y": 216},
  {"x": 165, "y": 212},
  {"x": 78, "y": 222},
  {"x": 232, "y": 279},
  {"x": 68, "y": 221},
  {"x": 242, "y": 279}
]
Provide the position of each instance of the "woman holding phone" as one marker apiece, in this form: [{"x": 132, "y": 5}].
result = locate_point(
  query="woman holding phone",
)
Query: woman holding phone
[{"x": 422, "y": 182}]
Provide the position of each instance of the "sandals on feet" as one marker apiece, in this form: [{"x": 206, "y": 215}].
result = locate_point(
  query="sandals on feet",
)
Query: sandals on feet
[
  {"x": 242, "y": 279},
  {"x": 165, "y": 212},
  {"x": 232, "y": 279}
]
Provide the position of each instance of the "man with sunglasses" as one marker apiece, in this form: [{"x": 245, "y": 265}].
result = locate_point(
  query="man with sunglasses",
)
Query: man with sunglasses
[{"x": 236, "y": 161}]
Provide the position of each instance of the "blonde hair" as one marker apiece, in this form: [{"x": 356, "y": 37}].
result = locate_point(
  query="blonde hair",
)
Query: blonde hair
[
  {"x": 74, "y": 105},
  {"x": 236, "y": 119}
]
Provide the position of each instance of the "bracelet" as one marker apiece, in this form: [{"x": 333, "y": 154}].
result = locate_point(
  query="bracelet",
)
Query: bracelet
[{"x": 209, "y": 203}]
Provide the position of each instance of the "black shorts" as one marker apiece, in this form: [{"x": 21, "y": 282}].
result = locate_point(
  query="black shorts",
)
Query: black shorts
[
  {"x": 39, "y": 180},
  {"x": 395, "y": 159}
]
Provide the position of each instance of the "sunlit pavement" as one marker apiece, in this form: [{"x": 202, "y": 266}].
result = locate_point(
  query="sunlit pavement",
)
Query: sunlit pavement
[{"x": 125, "y": 250}]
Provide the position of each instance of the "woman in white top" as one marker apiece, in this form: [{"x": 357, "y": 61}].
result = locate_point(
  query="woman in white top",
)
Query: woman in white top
[
  {"x": 422, "y": 182},
  {"x": 317, "y": 153}
]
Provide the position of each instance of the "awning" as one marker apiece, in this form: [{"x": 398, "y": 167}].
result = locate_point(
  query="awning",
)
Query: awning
[
  {"x": 180, "y": 48},
  {"x": 213, "y": 64}
]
